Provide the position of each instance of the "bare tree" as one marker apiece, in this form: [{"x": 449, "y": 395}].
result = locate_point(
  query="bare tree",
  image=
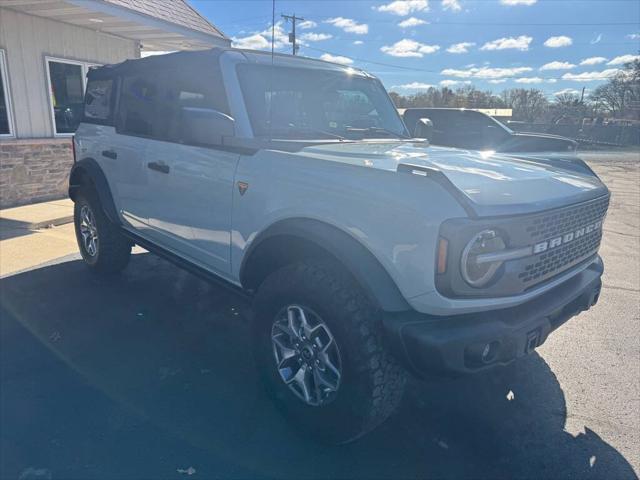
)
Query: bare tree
[{"x": 528, "y": 105}]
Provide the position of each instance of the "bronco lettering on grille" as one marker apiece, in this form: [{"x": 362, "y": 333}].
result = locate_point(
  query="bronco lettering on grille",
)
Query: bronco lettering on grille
[{"x": 566, "y": 238}]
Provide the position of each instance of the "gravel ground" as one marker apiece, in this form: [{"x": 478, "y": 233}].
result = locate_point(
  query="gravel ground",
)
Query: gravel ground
[{"x": 150, "y": 376}]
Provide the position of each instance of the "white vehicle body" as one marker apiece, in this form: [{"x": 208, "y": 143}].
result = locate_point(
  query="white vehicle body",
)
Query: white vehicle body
[{"x": 198, "y": 213}]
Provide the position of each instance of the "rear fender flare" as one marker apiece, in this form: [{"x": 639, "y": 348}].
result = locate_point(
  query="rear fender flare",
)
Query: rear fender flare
[{"x": 88, "y": 170}]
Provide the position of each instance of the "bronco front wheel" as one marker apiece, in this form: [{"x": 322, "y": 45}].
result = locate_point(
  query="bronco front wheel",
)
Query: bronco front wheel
[{"x": 318, "y": 345}]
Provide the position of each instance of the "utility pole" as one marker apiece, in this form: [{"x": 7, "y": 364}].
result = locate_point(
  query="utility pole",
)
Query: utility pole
[{"x": 292, "y": 35}]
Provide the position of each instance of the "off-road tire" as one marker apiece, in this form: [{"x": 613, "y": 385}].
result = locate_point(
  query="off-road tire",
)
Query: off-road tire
[
  {"x": 372, "y": 383},
  {"x": 113, "y": 249}
]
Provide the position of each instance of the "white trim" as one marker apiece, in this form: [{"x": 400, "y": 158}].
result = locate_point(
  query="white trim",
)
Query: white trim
[
  {"x": 84, "y": 68},
  {"x": 7, "y": 95}
]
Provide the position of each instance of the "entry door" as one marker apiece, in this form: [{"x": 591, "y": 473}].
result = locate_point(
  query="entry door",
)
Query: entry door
[
  {"x": 191, "y": 185},
  {"x": 191, "y": 190}
]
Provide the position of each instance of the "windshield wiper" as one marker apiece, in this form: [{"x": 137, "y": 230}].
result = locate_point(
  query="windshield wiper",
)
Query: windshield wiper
[
  {"x": 309, "y": 130},
  {"x": 374, "y": 130}
]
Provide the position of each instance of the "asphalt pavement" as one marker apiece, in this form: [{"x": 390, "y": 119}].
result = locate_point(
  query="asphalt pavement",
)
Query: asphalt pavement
[{"x": 150, "y": 375}]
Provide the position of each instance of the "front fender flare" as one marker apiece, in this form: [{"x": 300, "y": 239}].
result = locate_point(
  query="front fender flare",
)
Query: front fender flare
[{"x": 355, "y": 257}]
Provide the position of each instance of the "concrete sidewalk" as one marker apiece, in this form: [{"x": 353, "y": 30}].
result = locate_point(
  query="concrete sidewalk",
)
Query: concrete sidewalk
[
  {"x": 37, "y": 233},
  {"x": 37, "y": 215}
]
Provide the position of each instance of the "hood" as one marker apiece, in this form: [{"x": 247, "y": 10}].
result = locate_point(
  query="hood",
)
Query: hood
[{"x": 490, "y": 183}]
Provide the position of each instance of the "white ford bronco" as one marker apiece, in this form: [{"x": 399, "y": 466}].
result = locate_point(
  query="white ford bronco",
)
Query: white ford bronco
[{"x": 367, "y": 253}]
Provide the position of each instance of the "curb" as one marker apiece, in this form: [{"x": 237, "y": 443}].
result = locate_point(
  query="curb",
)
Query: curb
[
  {"x": 54, "y": 222},
  {"x": 50, "y": 223}
]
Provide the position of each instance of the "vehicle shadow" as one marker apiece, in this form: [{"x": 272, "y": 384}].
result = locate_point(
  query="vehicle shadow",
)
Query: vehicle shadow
[{"x": 149, "y": 373}]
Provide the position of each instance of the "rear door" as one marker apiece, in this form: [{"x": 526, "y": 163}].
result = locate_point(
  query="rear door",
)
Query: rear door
[
  {"x": 191, "y": 185},
  {"x": 137, "y": 123}
]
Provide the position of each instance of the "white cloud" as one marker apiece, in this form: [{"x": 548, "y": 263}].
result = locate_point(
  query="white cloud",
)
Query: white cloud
[
  {"x": 262, "y": 40},
  {"x": 414, "y": 86},
  {"x": 557, "y": 42},
  {"x": 499, "y": 80},
  {"x": 411, "y": 22},
  {"x": 593, "y": 61},
  {"x": 404, "y": 7},
  {"x": 622, "y": 59},
  {"x": 568, "y": 91},
  {"x": 557, "y": 66},
  {"x": 519, "y": 43},
  {"x": 451, "y": 83},
  {"x": 591, "y": 76},
  {"x": 349, "y": 25},
  {"x": 518, "y": 2},
  {"x": 529, "y": 80},
  {"x": 634, "y": 36},
  {"x": 460, "y": 47},
  {"x": 358, "y": 42},
  {"x": 307, "y": 24},
  {"x": 327, "y": 57},
  {"x": 252, "y": 42},
  {"x": 486, "y": 72},
  {"x": 315, "y": 37},
  {"x": 451, "y": 5},
  {"x": 409, "y": 48}
]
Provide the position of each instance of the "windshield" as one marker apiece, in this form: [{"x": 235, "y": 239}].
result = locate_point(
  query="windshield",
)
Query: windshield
[{"x": 298, "y": 103}]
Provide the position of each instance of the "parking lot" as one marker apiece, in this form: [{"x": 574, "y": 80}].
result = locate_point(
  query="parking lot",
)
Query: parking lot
[{"x": 150, "y": 375}]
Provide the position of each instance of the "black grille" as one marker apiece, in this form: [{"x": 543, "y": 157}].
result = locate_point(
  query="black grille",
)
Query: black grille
[
  {"x": 549, "y": 263},
  {"x": 554, "y": 224},
  {"x": 567, "y": 220}
]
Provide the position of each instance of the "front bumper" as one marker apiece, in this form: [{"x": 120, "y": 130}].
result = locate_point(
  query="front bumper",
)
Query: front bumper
[{"x": 470, "y": 343}]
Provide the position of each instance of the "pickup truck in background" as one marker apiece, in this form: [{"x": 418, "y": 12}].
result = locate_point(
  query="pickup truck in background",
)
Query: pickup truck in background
[{"x": 473, "y": 130}]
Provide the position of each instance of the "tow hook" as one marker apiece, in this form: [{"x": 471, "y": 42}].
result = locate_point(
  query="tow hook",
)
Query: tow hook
[{"x": 533, "y": 340}]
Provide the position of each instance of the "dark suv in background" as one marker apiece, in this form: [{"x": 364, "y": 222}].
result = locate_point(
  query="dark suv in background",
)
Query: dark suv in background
[{"x": 473, "y": 130}]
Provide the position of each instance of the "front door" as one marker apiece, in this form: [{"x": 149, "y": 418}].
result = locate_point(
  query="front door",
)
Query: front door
[{"x": 191, "y": 185}]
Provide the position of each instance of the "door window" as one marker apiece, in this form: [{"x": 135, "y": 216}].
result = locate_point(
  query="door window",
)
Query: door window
[
  {"x": 139, "y": 112},
  {"x": 194, "y": 92},
  {"x": 98, "y": 100}
]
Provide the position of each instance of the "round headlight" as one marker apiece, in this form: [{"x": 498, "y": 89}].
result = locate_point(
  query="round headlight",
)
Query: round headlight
[{"x": 477, "y": 267}]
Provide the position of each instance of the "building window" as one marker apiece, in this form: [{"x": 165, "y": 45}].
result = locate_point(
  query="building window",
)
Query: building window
[
  {"x": 6, "y": 121},
  {"x": 67, "y": 81}
]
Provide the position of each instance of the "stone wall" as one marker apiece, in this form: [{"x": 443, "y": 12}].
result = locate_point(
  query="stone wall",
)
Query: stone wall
[{"x": 34, "y": 170}]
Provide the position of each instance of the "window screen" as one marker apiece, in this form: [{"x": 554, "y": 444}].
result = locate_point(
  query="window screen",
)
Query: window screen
[
  {"x": 139, "y": 112},
  {"x": 97, "y": 103},
  {"x": 67, "y": 95},
  {"x": 188, "y": 90}
]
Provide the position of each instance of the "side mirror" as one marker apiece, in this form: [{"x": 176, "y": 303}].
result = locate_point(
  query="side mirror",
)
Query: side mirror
[
  {"x": 204, "y": 126},
  {"x": 423, "y": 129}
]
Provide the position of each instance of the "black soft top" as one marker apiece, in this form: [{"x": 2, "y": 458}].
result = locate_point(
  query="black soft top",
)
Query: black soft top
[{"x": 169, "y": 61}]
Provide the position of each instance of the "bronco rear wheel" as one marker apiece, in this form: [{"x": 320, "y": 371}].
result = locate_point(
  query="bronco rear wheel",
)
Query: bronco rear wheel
[
  {"x": 318, "y": 345},
  {"x": 102, "y": 245}
]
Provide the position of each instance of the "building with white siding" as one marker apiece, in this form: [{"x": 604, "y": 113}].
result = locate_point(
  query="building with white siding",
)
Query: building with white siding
[{"x": 46, "y": 48}]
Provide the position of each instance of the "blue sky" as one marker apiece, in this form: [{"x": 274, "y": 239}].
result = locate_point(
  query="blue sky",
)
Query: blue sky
[{"x": 553, "y": 45}]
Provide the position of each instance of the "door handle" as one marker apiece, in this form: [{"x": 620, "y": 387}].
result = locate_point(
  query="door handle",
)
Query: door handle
[
  {"x": 158, "y": 167},
  {"x": 109, "y": 154}
]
